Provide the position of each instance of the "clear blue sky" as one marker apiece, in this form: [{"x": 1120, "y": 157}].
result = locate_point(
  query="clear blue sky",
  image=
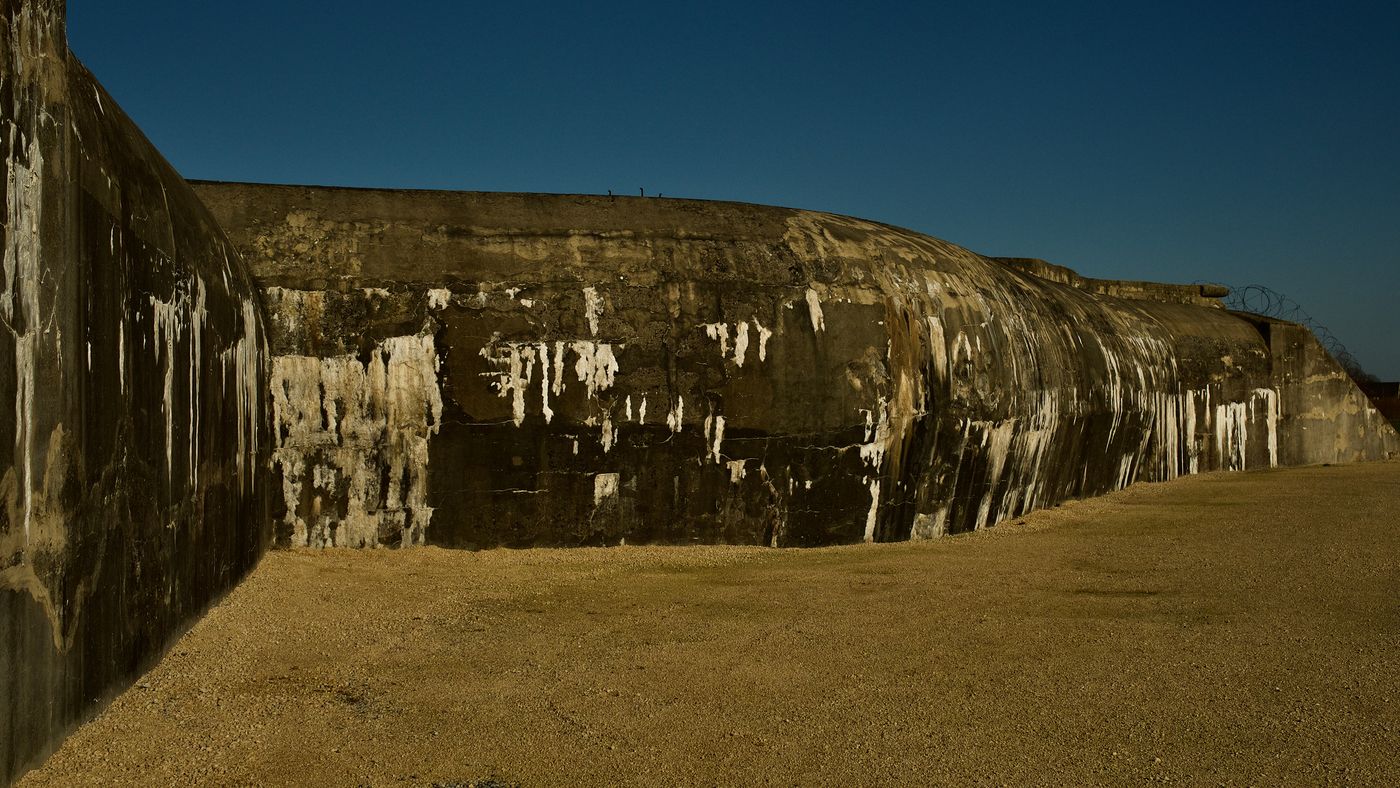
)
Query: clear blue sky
[{"x": 1173, "y": 141}]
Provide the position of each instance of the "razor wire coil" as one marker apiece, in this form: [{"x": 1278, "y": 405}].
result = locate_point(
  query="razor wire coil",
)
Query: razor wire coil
[{"x": 1265, "y": 301}]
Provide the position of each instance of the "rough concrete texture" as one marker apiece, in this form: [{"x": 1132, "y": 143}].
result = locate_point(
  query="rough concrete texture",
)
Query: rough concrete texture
[
  {"x": 473, "y": 370},
  {"x": 1199, "y": 295},
  {"x": 132, "y": 368}
]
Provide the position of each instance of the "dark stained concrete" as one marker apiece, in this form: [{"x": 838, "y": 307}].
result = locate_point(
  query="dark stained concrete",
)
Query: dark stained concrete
[
  {"x": 473, "y": 370},
  {"x": 132, "y": 374},
  {"x": 1386, "y": 397}
]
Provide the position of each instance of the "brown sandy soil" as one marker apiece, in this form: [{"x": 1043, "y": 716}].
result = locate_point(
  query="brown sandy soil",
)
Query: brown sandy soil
[{"x": 1230, "y": 628}]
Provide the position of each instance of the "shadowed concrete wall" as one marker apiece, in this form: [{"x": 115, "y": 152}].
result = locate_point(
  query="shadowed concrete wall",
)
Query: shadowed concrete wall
[
  {"x": 476, "y": 370},
  {"x": 1386, "y": 397},
  {"x": 134, "y": 438},
  {"x": 502, "y": 369}
]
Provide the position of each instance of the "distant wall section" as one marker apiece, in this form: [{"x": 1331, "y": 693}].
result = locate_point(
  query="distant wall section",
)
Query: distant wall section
[
  {"x": 474, "y": 370},
  {"x": 1196, "y": 294}
]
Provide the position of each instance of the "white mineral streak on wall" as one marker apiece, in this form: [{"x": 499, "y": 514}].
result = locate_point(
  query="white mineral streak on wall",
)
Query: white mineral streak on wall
[
  {"x": 763, "y": 336},
  {"x": 1114, "y": 388},
  {"x": 938, "y": 347},
  {"x": 983, "y": 513},
  {"x": 629, "y": 407},
  {"x": 1125, "y": 472},
  {"x": 165, "y": 330},
  {"x": 1174, "y": 431},
  {"x": 1166, "y": 421},
  {"x": 871, "y": 516},
  {"x": 814, "y": 309},
  {"x": 1170, "y": 447},
  {"x": 515, "y": 367},
  {"x": 604, "y": 488},
  {"x": 121, "y": 353},
  {"x": 736, "y": 471},
  {"x": 1018, "y": 451},
  {"x": 358, "y": 435},
  {"x": 1208, "y": 411},
  {"x": 1152, "y": 426},
  {"x": 170, "y": 320},
  {"x": 997, "y": 442},
  {"x": 674, "y": 418},
  {"x": 239, "y": 365},
  {"x": 961, "y": 349},
  {"x": 741, "y": 343},
  {"x": 877, "y": 435},
  {"x": 198, "y": 316},
  {"x": 596, "y": 367},
  {"x": 439, "y": 298},
  {"x": 24, "y": 423},
  {"x": 714, "y": 436},
  {"x": 24, "y": 188},
  {"x": 592, "y": 308},
  {"x": 1033, "y": 450},
  {"x": 558, "y": 385},
  {"x": 1271, "y": 416},
  {"x": 1193, "y": 456},
  {"x": 548, "y": 412},
  {"x": 609, "y": 435},
  {"x": 1232, "y": 434},
  {"x": 720, "y": 333}
]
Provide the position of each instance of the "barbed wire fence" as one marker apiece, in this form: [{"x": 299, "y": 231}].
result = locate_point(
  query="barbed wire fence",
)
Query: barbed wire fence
[{"x": 1268, "y": 302}]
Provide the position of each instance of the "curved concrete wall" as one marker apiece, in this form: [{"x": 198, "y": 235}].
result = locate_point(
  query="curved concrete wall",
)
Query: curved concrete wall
[
  {"x": 132, "y": 362},
  {"x": 501, "y": 369},
  {"x": 474, "y": 370}
]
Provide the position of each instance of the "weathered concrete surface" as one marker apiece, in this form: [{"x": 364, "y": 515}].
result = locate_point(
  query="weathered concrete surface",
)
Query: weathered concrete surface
[
  {"x": 1199, "y": 295},
  {"x": 132, "y": 376},
  {"x": 474, "y": 370}
]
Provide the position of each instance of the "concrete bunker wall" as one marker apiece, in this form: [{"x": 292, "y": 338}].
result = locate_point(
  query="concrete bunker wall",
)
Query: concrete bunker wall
[
  {"x": 476, "y": 370},
  {"x": 132, "y": 365}
]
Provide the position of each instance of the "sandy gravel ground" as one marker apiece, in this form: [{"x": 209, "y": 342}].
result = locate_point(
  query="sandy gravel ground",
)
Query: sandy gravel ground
[{"x": 1231, "y": 628}]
